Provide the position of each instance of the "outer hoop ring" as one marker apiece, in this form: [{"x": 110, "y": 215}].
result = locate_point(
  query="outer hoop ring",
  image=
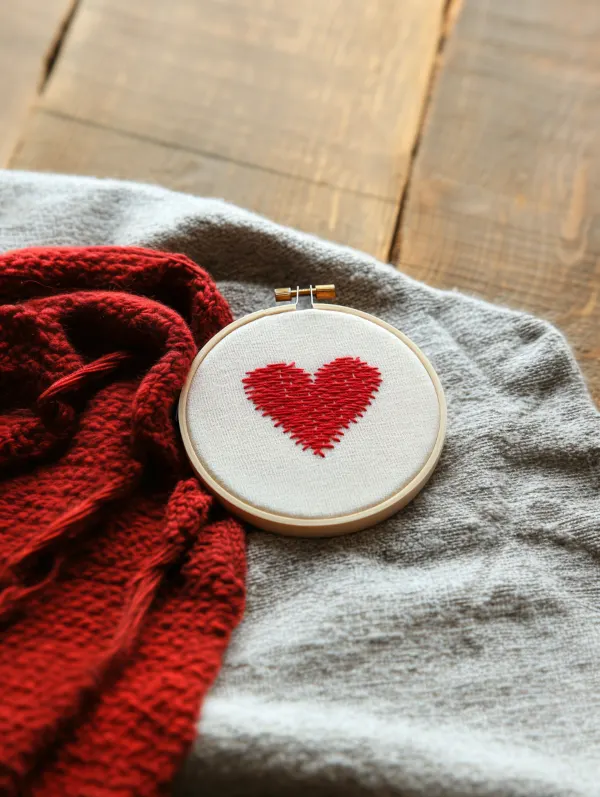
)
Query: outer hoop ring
[{"x": 312, "y": 527}]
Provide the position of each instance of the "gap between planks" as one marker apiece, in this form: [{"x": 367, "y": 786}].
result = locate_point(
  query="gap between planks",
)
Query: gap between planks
[
  {"x": 56, "y": 44},
  {"x": 449, "y": 16}
]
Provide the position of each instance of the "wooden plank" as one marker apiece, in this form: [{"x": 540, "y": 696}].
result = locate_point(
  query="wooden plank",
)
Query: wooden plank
[
  {"x": 325, "y": 91},
  {"x": 29, "y": 30},
  {"x": 65, "y": 145},
  {"x": 504, "y": 200}
]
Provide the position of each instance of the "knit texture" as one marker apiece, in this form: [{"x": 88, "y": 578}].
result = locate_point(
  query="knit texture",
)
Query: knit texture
[
  {"x": 120, "y": 582},
  {"x": 452, "y": 650}
]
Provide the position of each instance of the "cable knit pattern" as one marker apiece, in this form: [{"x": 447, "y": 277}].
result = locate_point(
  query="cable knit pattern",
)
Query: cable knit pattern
[{"x": 120, "y": 580}]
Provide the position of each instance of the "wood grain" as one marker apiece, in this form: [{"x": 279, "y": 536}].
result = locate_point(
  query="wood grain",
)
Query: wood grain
[
  {"x": 29, "y": 30},
  {"x": 504, "y": 199},
  {"x": 69, "y": 146},
  {"x": 320, "y": 101}
]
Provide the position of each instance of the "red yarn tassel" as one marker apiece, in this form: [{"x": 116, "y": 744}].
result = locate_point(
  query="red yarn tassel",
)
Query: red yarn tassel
[
  {"x": 186, "y": 515},
  {"x": 66, "y": 527},
  {"x": 103, "y": 365}
]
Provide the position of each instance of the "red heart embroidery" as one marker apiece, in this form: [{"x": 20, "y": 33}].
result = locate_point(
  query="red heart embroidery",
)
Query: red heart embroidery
[{"x": 314, "y": 412}]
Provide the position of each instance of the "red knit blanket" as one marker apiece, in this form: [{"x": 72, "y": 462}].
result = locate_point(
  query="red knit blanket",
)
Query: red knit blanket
[{"x": 120, "y": 579}]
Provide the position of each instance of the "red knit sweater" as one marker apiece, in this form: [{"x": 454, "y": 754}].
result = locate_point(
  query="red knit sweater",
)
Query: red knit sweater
[{"x": 120, "y": 579}]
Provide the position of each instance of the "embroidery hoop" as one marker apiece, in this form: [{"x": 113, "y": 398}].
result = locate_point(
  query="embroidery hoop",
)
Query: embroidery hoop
[{"x": 315, "y": 526}]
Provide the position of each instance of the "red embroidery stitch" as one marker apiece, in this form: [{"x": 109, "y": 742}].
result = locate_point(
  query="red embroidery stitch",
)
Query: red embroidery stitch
[{"x": 314, "y": 412}]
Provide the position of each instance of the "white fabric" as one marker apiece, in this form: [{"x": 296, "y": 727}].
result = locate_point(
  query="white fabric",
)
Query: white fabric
[{"x": 263, "y": 466}]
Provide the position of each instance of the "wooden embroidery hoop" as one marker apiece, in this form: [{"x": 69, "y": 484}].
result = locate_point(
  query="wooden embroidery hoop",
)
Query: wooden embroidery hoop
[{"x": 312, "y": 527}]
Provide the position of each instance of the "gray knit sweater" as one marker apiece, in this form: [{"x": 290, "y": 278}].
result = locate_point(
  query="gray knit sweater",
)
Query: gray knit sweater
[{"x": 452, "y": 650}]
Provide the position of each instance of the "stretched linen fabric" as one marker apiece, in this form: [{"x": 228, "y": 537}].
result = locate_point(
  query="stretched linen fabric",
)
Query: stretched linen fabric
[
  {"x": 120, "y": 582},
  {"x": 252, "y": 454},
  {"x": 451, "y": 650}
]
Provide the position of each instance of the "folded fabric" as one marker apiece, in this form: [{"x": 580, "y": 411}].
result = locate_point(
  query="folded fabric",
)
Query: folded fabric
[
  {"x": 451, "y": 650},
  {"x": 120, "y": 582}
]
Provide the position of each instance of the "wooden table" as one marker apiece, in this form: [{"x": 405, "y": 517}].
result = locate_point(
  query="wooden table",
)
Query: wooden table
[{"x": 459, "y": 140}]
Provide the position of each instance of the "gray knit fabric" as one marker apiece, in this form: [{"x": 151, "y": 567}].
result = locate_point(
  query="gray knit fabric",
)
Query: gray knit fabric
[{"x": 453, "y": 650}]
